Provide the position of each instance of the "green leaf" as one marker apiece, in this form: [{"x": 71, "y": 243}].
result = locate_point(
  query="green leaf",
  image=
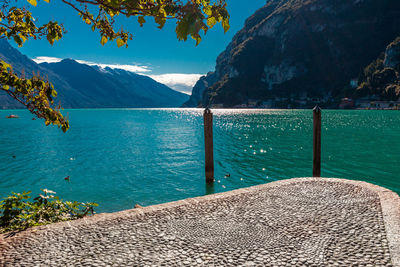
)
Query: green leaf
[
  {"x": 103, "y": 40},
  {"x": 18, "y": 213},
  {"x": 141, "y": 21},
  {"x": 18, "y": 40},
  {"x": 32, "y": 2},
  {"x": 120, "y": 42},
  {"x": 211, "y": 21},
  {"x": 225, "y": 24},
  {"x": 87, "y": 21},
  {"x": 208, "y": 10},
  {"x": 23, "y": 38},
  {"x": 197, "y": 38},
  {"x": 160, "y": 21}
]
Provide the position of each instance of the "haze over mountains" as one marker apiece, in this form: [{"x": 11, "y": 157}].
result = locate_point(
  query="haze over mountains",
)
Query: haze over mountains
[
  {"x": 291, "y": 51},
  {"x": 83, "y": 86}
]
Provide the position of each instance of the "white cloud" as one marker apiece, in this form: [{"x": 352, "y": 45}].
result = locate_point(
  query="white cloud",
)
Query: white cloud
[
  {"x": 178, "y": 81},
  {"x": 39, "y": 60},
  {"x": 132, "y": 68}
]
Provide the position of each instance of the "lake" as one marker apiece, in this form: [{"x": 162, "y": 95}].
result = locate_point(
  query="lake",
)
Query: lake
[{"x": 120, "y": 157}]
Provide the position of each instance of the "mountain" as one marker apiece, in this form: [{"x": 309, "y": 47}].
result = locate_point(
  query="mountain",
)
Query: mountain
[
  {"x": 113, "y": 88},
  {"x": 83, "y": 86},
  {"x": 201, "y": 85},
  {"x": 302, "y": 49},
  {"x": 22, "y": 63}
]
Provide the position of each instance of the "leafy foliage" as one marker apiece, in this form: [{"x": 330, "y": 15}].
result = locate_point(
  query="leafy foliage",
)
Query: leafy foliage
[
  {"x": 35, "y": 93},
  {"x": 18, "y": 24},
  {"x": 17, "y": 213}
]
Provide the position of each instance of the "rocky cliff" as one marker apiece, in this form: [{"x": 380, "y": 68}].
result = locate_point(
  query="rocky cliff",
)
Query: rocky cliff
[
  {"x": 382, "y": 77},
  {"x": 303, "y": 48},
  {"x": 202, "y": 84}
]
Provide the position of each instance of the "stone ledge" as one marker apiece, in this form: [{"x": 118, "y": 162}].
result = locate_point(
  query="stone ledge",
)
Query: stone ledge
[{"x": 389, "y": 201}]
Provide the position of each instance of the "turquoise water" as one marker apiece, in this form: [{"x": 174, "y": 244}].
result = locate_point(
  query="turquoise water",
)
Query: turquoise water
[{"x": 122, "y": 157}]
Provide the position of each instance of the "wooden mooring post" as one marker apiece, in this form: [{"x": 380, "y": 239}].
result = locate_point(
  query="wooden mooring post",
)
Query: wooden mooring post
[
  {"x": 317, "y": 142},
  {"x": 209, "y": 147}
]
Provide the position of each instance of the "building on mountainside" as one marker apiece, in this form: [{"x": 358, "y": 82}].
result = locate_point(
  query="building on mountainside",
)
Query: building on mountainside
[
  {"x": 315, "y": 100},
  {"x": 252, "y": 103},
  {"x": 346, "y": 103},
  {"x": 365, "y": 104},
  {"x": 217, "y": 106},
  {"x": 241, "y": 106},
  {"x": 267, "y": 104},
  {"x": 301, "y": 102}
]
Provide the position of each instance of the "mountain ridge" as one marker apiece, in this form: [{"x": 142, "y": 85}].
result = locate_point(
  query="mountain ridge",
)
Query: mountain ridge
[
  {"x": 301, "y": 49},
  {"x": 82, "y": 86}
]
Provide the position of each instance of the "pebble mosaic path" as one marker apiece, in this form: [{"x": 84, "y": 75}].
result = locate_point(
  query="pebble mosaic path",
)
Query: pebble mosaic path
[{"x": 296, "y": 222}]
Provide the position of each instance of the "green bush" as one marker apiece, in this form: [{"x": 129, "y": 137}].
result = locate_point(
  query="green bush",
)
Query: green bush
[{"x": 18, "y": 213}]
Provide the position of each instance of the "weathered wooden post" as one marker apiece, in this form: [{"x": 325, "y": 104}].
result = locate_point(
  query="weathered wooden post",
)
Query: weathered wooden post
[
  {"x": 317, "y": 142},
  {"x": 208, "y": 143}
]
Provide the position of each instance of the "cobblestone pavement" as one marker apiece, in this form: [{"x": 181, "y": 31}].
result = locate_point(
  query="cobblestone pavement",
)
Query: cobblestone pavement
[{"x": 303, "y": 222}]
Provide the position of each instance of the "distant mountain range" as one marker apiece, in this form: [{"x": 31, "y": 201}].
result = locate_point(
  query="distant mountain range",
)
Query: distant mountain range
[
  {"x": 294, "y": 52},
  {"x": 83, "y": 86}
]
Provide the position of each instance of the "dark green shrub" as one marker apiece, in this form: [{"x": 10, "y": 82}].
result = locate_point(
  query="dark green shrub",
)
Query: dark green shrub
[{"x": 18, "y": 213}]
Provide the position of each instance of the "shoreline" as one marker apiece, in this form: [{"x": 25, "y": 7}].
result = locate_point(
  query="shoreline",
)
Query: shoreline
[{"x": 200, "y": 109}]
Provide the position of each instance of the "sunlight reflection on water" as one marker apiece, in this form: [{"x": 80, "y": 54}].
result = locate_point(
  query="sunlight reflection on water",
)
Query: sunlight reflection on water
[{"x": 120, "y": 157}]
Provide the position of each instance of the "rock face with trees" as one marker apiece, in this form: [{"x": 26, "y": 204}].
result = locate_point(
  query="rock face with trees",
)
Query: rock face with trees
[
  {"x": 202, "y": 84},
  {"x": 382, "y": 76},
  {"x": 294, "y": 49}
]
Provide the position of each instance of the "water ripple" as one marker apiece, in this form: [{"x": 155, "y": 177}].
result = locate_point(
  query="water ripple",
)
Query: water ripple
[{"x": 121, "y": 157}]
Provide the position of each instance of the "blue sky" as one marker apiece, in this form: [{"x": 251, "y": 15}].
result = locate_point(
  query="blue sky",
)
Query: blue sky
[{"x": 157, "y": 52}]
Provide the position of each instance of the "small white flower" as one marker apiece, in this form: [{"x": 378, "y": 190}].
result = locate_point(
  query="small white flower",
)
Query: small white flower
[{"x": 48, "y": 191}]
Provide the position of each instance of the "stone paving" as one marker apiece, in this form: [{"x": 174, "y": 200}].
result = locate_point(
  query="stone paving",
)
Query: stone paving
[{"x": 296, "y": 222}]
